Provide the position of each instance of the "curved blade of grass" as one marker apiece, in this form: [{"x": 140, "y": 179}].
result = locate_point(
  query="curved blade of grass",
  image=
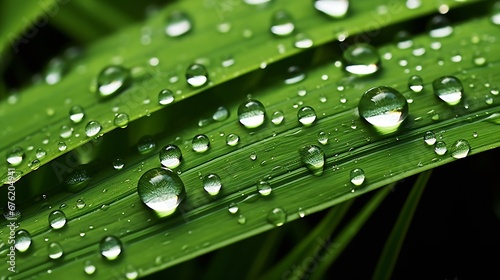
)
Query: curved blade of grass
[{"x": 392, "y": 247}]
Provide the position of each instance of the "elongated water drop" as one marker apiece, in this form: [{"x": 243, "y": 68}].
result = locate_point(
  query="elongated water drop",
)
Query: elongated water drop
[
  {"x": 55, "y": 250},
  {"x": 415, "y": 83},
  {"x": 196, "y": 75},
  {"x": 89, "y": 267},
  {"x": 232, "y": 139},
  {"x": 200, "y": 143},
  {"x": 383, "y": 107},
  {"x": 15, "y": 156},
  {"x": 92, "y": 128},
  {"x": 314, "y": 158},
  {"x": 212, "y": 184},
  {"x": 449, "y": 89},
  {"x": 170, "y": 156},
  {"x": 121, "y": 120},
  {"x": 162, "y": 190},
  {"x": 76, "y": 114},
  {"x": 256, "y": 2},
  {"x": 57, "y": 219},
  {"x": 429, "y": 138},
  {"x": 251, "y": 113},
  {"x": 282, "y": 23},
  {"x": 440, "y": 148},
  {"x": 110, "y": 247},
  {"x": 178, "y": 23},
  {"x": 264, "y": 188},
  {"x": 306, "y": 115},
  {"x": 112, "y": 80},
  {"x": 439, "y": 27},
  {"x": 302, "y": 41},
  {"x": 361, "y": 59},
  {"x": 165, "y": 97},
  {"x": 460, "y": 149},
  {"x": 357, "y": 176},
  {"x": 332, "y": 8},
  {"x": 277, "y": 217},
  {"x": 22, "y": 240}
]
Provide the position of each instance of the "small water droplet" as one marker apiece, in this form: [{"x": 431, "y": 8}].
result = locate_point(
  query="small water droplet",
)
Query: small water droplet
[
  {"x": 121, "y": 120},
  {"x": 251, "y": 113},
  {"x": 314, "y": 158},
  {"x": 232, "y": 139},
  {"x": 131, "y": 272},
  {"x": 22, "y": 240},
  {"x": 306, "y": 115},
  {"x": 112, "y": 80},
  {"x": 212, "y": 184},
  {"x": 233, "y": 208},
  {"x": 440, "y": 148},
  {"x": 77, "y": 179},
  {"x": 361, "y": 59},
  {"x": 322, "y": 138},
  {"x": 460, "y": 149},
  {"x": 429, "y": 138},
  {"x": 449, "y": 89},
  {"x": 403, "y": 40},
  {"x": 110, "y": 247},
  {"x": 55, "y": 250},
  {"x": 439, "y": 27},
  {"x": 146, "y": 145},
  {"x": 277, "y": 117},
  {"x": 294, "y": 75},
  {"x": 40, "y": 153},
  {"x": 277, "y": 217},
  {"x": 302, "y": 41},
  {"x": 80, "y": 204},
  {"x": 165, "y": 97},
  {"x": 332, "y": 8},
  {"x": 264, "y": 188},
  {"x": 56, "y": 69},
  {"x": 76, "y": 114},
  {"x": 415, "y": 83},
  {"x": 242, "y": 220},
  {"x": 200, "y": 143},
  {"x": 253, "y": 156},
  {"x": 57, "y": 219},
  {"x": 357, "y": 176},
  {"x": 66, "y": 131},
  {"x": 221, "y": 114},
  {"x": 413, "y": 4},
  {"x": 196, "y": 75},
  {"x": 89, "y": 267},
  {"x": 170, "y": 156},
  {"x": 61, "y": 146},
  {"x": 383, "y": 107},
  {"x": 178, "y": 23},
  {"x": 15, "y": 156},
  {"x": 92, "y": 128},
  {"x": 495, "y": 14},
  {"x": 35, "y": 164},
  {"x": 162, "y": 190},
  {"x": 282, "y": 23}
]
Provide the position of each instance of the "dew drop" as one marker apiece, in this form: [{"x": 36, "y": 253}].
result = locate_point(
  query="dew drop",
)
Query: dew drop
[
  {"x": 227, "y": 61},
  {"x": 162, "y": 190},
  {"x": 403, "y": 40},
  {"x": 429, "y": 138},
  {"x": 383, "y": 107},
  {"x": 277, "y": 217},
  {"x": 332, "y": 8},
  {"x": 415, "y": 83},
  {"x": 232, "y": 139},
  {"x": 440, "y": 148},
  {"x": 221, "y": 114},
  {"x": 92, "y": 128},
  {"x": 131, "y": 272},
  {"x": 314, "y": 158},
  {"x": 361, "y": 59},
  {"x": 55, "y": 250},
  {"x": 357, "y": 176},
  {"x": 233, "y": 208},
  {"x": 302, "y": 41},
  {"x": 449, "y": 89},
  {"x": 22, "y": 240},
  {"x": 56, "y": 69},
  {"x": 495, "y": 14},
  {"x": 15, "y": 156},
  {"x": 277, "y": 117},
  {"x": 165, "y": 97},
  {"x": 439, "y": 27},
  {"x": 178, "y": 23},
  {"x": 170, "y": 156},
  {"x": 40, "y": 153},
  {"x": 121, "y": 120},
  {"x": 264, "y": 188},
  {"x": 146, "y": 145},
  {"x": 35, "y": 164},
  {"x": 196, "y": 75},
  {"x": 212, "y": 184},
  {"x": 110, "y": 247},
  {"x": 282, "y": 23},
  {"x": 57, "y": 219},
  {"x": 306, "y": 115},
  {"x": 251, "y": 113},
  {"x": 61, "y": 146},
  {"x": 112, "y": 80},
  {"x": 77, "y": 179},
  {"x": 256, "y": 2},
  {"x": 66, "y": 131},
  {"x": 89, "y": 267},
  {"x": 322, "y": 138},
  {"x": 200, "y": 143},
  {"x": 76, "y": 114},
  {"x": 460, "y": 149},
  {"x": 294, "y": 75},
  {"x": 242, "y": 220},
  {"x": 80, "y": 204}
]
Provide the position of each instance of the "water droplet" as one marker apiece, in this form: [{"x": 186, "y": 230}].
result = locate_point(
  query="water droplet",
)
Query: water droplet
[
  {"x": 35, "y": 164},
  {"x": 121, "y": 120},
  {"x": 449, "y": 89},
  {"x": 233, "y": 208},
  {"x": 89, "y": 267},
  {"x": 92, "y": 128},
  {"x": 40, "y": 153},
  {"x": 146, "y": 145},
  {"x": 165, "y": 97},
  {"x": 294, "y": 75},
  {"x": 242, "y": 220},
  {"x": 277, "y": 117},
  {"x": 15, "y": 156},
  {"x": 306, "y": 115},
  {"x": 253, "y": 156},
  {"x": 221, "y": 114},
  {"x": 76, "y": 114},
  {"x": 251, "y": 113},
  {"x": 256, "y": 2},
  {"x": 403, "y": 40},
  {"x": 332, "y": 8},
  {"x": 357, "y": 176},
  {"x": 22, "y": 241},
  {"x": 131, "y": 272},
  {"x": 112, "y": 80},
  {"x": 56, "y": 69},
  {"x": 178, "y": 23},
  {"x": 415, "y": 83},
  {"x": 170, "y": 156},
  {"x": 277, "y": 217},
  {"x": 57, "y": 219},
  {"x": 264, "y": 188},
  {"x": 110, "y": 247},
  {"x": 212, "y": 184},
  {"x": 322, "y": 138},
  {"x": 361, "y": 59},
  {"x": 440, "y": 148},
  {"x": 302, "y": 41},
  {"x": 429, "y": 138},
  {"x": 232, "y": 139},
  {"x": 495, "y": 14},
  {"x": 383, "y": 107},
  {"x": 196, "y": 75},
  {"x": 282, "y": 23},
  {"x": 227, "y": 60},
  {"x": 200, "y": 143},
  {"x": 439, "y": 27},
  {"x": 314, "y": 158},
  {"x": 55, "y": 250},
  {"x": 460, "y": 149},
  {"x": 77, "y": 179},
  {"x": 162, "y": 190},
  {"x": 61, "y": 146},
  {"x": 80, "y": 204},
  {"x": 66, "y": 131}
]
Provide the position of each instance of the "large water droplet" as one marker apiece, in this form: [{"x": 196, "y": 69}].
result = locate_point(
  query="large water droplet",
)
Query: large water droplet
[
  {"x": 57, "y": 219},
  {"x": 314, "y": 158},
  {"x": 460, "y": 149},
  {"x": 357, "y": 176},
  {"x": 15, "y": 156},
  {"x": 251, "y": 113},
  {"x": 200, "y": 143},
  {"x": 76, "y": 114},
  {"x": 178, "y": 23},
  {"x": 415, "y": 83},
  {"x": 361, "y": 59},
  {"x": 170, "y": 156},
  {"x": 306, "y": 115},
  {"x": 121, "y": 120},
  {"x": 440, "y": 148},
  {"x": 196, "y": 75},
  {"x": 264, "y": 188},
  {"x": 429, "y": 138},
  {"x": 55, "y": 250},
  {"x": 112, "y": 80},
  {"x": 383, "y": 107},
  {"x": 56, "y": 69},
  {"x": 212, "y": 184},
  {"x": 277, "y": 217},
  {"x": 146, "y": 144},
  {"x": 449, "y": 89},
  {"x": 162, "y": 190},
  {"x": 22, "y": 240},
  {"x": 439, "y": 27},
  {"x": 110, "y": 247},
  {"x": 92, "y": 128},
  {"x": 89, "y": 267},
  {"x": 232, "y": 139},
  {"x": 165, "y": 97},
  {"x": 333, "y": 8},
  {"x": 282, "y": 23},
  {"x": 294, "y": 75}
]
